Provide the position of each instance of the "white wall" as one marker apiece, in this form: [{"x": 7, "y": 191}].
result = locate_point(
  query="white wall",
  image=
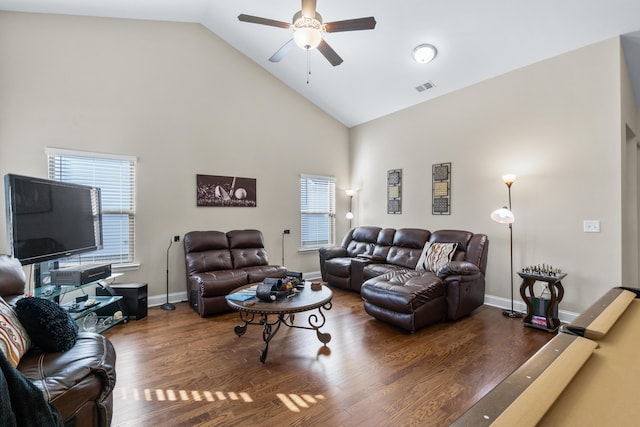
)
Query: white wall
[
  {"x": 555, "y": 124},
  {"x": 185, "y": 103}
]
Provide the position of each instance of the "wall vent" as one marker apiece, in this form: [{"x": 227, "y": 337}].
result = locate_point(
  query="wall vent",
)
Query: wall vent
[{"x": 425, "y": 86}]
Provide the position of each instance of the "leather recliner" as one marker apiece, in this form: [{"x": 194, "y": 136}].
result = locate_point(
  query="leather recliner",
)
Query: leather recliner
[
  {"x": 381, "y": 265},
  {"x": 217, "y": 263},
  {"x": 78, "y": 382}
]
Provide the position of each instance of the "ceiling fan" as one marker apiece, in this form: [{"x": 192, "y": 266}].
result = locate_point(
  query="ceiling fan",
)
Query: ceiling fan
[{"x": 307, "y": 26}]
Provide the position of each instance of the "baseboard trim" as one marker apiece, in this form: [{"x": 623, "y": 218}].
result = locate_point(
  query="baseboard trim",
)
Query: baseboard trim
[
  {"x": 518, "y": 305},
  {"x": 157, "y": 300}
]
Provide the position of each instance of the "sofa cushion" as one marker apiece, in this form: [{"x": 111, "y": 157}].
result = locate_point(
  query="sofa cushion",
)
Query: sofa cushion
[
  {"x": 199, "y": 241},
  {"x": 373, "y": 270},
  {"x": 206, "y": 251},
  {"x": 245, "y": 239},
  {"x": 50, "y": 327},
  {"x": 461, "y": 237},
  {"x": 12, "y": 276},
  {"x": 340, "y": 267},
  {"x": 435, "y": 255},
  {"x": 403, "y": 291},
  {"x": 407, "y": 247},
  {"x": 248, "y": 257},
  {"x": 363, "y": 240},
  {"x": 14, "y": 339}
]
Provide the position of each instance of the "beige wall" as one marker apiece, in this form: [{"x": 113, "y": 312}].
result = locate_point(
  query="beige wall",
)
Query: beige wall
[
  {"x": 184, "y": 102},
  {"x": 181, "y": 100},
  {"x": 556, "y": 124}
]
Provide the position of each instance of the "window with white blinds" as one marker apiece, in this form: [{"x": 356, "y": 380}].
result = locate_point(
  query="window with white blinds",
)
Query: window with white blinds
[
  {"x": 115, "y": 176},
  {"x": 317, "y": 211}
]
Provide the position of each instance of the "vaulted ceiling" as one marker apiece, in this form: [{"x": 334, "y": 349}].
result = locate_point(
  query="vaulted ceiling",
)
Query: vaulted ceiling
[{"x": 476, "y": 40}]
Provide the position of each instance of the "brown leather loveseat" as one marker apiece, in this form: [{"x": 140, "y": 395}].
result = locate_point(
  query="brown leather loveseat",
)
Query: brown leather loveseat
[
  {"x": 390, "y": 270},
  {"x": 78, "y": 382},
  {"x": 218, "y": 262}
]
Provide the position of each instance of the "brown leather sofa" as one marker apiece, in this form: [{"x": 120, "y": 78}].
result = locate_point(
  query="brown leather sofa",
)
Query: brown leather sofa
[
  {"x": 380, "y": 263},
  {"x": 218, "y": 263},
  {"x": 78, "y": 382}
]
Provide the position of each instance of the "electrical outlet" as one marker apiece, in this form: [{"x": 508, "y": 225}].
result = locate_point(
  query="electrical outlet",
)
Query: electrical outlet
[
  {"x": 176, "y": 238},
  {"x": 591, "y": 225},
  {"x": 287, "y": 231}
]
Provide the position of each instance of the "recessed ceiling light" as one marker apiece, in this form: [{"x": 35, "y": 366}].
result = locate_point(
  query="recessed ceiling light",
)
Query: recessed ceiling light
[{"x": 424, "y": 53}]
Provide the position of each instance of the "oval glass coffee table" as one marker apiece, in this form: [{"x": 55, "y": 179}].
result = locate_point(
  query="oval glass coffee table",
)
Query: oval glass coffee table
[{"x": 282, "y": 312}]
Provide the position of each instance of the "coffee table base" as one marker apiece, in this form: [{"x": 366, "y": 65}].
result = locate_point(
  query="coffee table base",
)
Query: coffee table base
[{"x": 270, "y": 328}]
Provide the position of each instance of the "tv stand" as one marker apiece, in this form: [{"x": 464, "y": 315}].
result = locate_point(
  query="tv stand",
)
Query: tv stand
[{"x": 58, "y": 292}]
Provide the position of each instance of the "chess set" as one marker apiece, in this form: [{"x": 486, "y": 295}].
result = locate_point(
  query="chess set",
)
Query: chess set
[{"x": 542, "y": 270}]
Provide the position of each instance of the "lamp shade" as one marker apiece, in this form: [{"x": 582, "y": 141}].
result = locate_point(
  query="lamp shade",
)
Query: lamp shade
[
  {"x": 503, "y": 216},
  {"x": 509, "y": 179},
  {"x": 349, "y": 215},
  {"x": 307, "y": 38}
]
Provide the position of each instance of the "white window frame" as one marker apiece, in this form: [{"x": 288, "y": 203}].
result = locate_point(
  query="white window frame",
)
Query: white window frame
[
  {"x": 118, "y": 198},
  {"x": 323, "y": 210}
]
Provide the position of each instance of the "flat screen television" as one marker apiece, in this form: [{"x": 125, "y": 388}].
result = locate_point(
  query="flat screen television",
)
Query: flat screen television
[{"x": 49, "y": 220}]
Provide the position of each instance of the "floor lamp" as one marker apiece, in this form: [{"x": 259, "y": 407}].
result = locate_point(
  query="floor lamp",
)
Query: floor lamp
[
  {"x": 167, "y": 305},
  {"x": 349, "y": 214},
  {"x": 504, "y": 215}
]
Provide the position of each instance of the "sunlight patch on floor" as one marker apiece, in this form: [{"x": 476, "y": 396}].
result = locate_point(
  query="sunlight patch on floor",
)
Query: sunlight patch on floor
[
  {"x": 297, "y": 402},
  {"x": 171, "y": 395},
  {"x": 294, "y": 402}
]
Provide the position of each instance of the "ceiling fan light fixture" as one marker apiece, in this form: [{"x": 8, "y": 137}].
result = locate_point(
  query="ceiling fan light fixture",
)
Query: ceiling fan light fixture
[
  {"x": 424, "y": 53},
  {"x": 307, "y": 37}
]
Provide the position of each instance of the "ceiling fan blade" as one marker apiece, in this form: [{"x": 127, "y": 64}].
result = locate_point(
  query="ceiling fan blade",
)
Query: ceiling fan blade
[
  {"x": 368, "y": 23},
  {"x": 328, "y": 52},
  {"x": 263, "y": 21},
  {"x": 309, "y": 8},
  {"x": 282, "y": 51}
]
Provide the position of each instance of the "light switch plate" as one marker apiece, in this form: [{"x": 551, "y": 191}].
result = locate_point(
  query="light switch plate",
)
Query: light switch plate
[{"x": 591, "y": 225}]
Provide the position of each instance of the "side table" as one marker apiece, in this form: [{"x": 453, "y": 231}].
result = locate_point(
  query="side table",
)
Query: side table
[{"x": 556, "y": 291}]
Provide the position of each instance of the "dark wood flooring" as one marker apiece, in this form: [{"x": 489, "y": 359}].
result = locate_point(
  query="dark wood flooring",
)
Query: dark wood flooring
[{"x": 177, "y": 369}]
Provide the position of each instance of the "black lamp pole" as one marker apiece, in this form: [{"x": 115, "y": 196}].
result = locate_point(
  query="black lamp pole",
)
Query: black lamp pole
[
  {"x": 511, "y": 313},
  {"x": 167, "y": 305}
]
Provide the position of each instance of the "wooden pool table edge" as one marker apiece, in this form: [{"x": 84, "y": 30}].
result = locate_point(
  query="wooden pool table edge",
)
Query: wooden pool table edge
[{"x": 543, "y": 377}]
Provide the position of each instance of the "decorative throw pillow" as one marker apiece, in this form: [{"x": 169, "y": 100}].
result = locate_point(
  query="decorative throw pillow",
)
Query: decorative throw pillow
[
  {"x": 435, "y": 255},
  {"x": 14, "y": 339},
  {"x": 49, "y": 326}
]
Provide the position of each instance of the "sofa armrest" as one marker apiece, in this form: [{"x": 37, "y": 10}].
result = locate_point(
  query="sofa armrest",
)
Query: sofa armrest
[
  {"x": 83, "y": 376},
  {"x": 357, "y": 272},
  {"x": 465, "y": 287},
  {"x": 332, "y": 252},
  {"x": 329, "y": 252},
  {"x": 458, "y": 268}
]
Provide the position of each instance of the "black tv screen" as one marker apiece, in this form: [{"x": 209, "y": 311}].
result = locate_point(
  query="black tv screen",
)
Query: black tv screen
[{"x": 50, "y": 219}]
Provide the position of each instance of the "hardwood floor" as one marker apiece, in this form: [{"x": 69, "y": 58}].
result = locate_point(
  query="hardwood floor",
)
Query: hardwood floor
[{"x": 177, "y": 369}]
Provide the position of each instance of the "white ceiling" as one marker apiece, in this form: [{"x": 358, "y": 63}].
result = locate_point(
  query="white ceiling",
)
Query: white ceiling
[{"x": 476, "y": 40}]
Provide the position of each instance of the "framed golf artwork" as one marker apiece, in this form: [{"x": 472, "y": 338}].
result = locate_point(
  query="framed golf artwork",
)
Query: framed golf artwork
[{"x": 225, "y": 191}]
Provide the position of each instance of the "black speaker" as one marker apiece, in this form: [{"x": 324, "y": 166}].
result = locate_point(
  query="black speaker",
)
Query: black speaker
[{"x": 134, "y": 296}]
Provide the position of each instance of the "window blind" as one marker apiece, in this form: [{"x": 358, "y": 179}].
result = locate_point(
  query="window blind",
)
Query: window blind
[
  {"x": 317, "y": 211},
  {"x": 115, "y": 176}
]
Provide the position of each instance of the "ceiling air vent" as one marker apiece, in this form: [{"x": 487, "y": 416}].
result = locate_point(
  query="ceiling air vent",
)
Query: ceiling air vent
[{"x": 425, "y": 86}]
